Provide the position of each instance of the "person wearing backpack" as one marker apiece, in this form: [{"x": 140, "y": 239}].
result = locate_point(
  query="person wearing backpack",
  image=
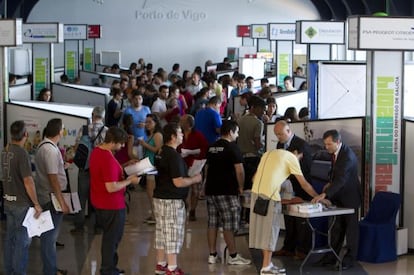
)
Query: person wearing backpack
[{"x": 89, "y": 136}]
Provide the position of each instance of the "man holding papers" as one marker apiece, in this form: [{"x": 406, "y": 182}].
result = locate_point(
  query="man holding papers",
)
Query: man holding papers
[
  {"x": 51, "y": 178},
  {"x": 225, "y": 179},
  {"x": 19, "y": 195},
  {"x": 108, "y": 186},
  {"x": 194, "y": 147},
  {"x": 171, "y": 189}
]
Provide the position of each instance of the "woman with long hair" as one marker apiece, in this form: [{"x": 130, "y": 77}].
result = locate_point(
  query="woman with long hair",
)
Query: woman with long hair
[{"x": 151, "y": 146}]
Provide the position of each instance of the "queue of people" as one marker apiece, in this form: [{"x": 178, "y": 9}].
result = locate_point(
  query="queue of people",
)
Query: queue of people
[{"x": 235, "y": 162}]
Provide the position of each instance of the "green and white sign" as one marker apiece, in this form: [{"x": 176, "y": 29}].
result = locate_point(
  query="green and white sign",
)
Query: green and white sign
[
  {"x": 320, "y": 32},
  {"x": 386, "y": 121}
]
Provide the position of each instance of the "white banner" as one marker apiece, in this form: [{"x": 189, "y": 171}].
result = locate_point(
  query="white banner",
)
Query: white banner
[
  {"x": 386, "y": 120},
  {"x": 385, "y": 33},
  {"x": 42, "y": 33},
  {"x": 320, "y": 32},
  {"x": 75, "y": 32},
  {"x": 282, "y": 31}
]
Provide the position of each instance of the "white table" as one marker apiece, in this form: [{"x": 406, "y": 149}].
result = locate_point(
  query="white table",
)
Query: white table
[{"x": 331, "y": 212}]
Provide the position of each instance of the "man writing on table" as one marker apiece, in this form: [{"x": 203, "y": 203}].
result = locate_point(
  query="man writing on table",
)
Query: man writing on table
[
  {"x": 274, "y": 167},
  {"x": 343, "y": 190}
]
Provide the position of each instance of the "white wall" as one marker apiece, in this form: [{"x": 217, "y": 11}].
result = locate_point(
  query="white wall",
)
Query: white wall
[{"x": 167, "y": 31}]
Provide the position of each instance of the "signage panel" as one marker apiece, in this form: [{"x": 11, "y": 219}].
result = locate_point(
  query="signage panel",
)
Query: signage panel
[
  {"x": 282, "y": 31},
  {"x": 386, "y": 33},
  {"x": 10, "y": 32},
  {"x": 321, "y": 32},
  {"x": 386, "y": 120},
  {"x": 243, "y": 31},
  {"x": 42, "y": 33},
  {"x": 94, "y": 31},
  {"x": 75, "y": 32},
  {"x": 353, "y": 32},
  {"x": 259, "y": 31}
]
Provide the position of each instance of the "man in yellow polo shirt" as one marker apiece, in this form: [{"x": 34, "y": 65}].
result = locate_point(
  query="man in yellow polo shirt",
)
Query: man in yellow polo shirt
[{"x": 274, "y": 168}]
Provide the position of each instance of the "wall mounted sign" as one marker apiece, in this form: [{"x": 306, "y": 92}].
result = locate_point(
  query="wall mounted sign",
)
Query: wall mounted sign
[
  {"x": 282, "y": 31},
  {"x": 381, "y": 33},
  {"x": 75, "y": 32},
  {"x": 243, "y": 31},
  {"x": 320, "y": 32},
  {"x": 258, "y": 31},
  {"x": 42, "y": 33},
  {"x": 94, "y": 31},
  {"x": 10, "y": 32}
]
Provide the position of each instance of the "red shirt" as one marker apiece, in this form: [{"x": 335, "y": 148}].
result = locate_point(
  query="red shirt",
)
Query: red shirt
[
  {"x": 195, "y": 140},
  {"x": 103, "y": 167}
]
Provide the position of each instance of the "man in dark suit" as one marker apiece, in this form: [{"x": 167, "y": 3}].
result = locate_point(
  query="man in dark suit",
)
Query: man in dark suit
[
  {"x": 343, "y": 190},
  {"x": 298, "y": 235}
]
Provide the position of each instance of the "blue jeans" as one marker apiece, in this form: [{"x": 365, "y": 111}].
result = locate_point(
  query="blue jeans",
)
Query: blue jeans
[
  {"x": 48, "y": 242},
  {"x": 16, "y": 242},
  {"x": 112, "y": 223},
  {"x": 83, "y": 192}
]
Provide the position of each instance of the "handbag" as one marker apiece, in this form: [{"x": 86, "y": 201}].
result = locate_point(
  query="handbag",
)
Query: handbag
[{"x": 261, "y": 205}]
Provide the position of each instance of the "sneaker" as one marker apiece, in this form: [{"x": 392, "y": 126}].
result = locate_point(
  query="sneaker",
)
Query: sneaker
[
  {"x": 273, "y": 270},
  {"x": 159, "y": 269},
  {"x": 176, "y": 271},
  {"x": 238, "y": 260},
  {"x": 214, "y": 259}
]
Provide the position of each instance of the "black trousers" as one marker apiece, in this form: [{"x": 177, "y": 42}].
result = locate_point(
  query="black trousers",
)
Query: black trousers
[
  {"x": 298, "y": 235},
  {"x": 112, "y": 223},
  {"x": 250, "y": 166},
  {"x": 346, "y": 226}
]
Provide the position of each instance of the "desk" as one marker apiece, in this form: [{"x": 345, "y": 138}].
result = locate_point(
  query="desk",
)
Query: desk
[{"x": 326, "y": 213}]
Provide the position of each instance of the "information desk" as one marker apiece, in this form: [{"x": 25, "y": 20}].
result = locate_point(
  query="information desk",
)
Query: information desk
[{"x": 331, "y": 212}]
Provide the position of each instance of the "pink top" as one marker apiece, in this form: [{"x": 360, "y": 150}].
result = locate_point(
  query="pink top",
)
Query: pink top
[{"x": 103, "y": 167}]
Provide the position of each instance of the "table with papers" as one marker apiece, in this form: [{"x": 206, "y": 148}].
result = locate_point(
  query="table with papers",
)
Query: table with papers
[{"x": 329, "y": 212}]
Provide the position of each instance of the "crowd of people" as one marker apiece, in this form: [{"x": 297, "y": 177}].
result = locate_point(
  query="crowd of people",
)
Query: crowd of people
[{"x": 174, "y": 119}]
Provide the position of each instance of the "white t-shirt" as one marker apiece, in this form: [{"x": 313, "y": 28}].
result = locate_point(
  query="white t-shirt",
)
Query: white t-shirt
[{"x": 48, "y": 160}]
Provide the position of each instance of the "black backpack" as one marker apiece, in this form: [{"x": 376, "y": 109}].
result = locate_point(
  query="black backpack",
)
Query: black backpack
[{"x": 84, "y": 149}]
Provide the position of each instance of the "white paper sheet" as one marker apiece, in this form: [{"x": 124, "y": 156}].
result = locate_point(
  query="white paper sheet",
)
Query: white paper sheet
[
  {"x": 143, "y": 166},
  {"x": 196, "y": 167},
  {"x": 71, "y": 199},
  {"x": 35, "y": 227},
  {"x": 187, "y": 152}
]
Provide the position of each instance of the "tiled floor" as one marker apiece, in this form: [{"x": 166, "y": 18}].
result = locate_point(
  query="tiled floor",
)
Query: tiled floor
[{"x": 81, "y": 253}]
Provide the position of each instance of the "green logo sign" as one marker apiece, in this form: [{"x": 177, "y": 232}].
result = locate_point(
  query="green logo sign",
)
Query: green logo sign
[{"x": 311, "y": 32}]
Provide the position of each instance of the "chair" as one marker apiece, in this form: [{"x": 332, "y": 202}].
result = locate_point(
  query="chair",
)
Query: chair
[{"x": 377, "y": 231}]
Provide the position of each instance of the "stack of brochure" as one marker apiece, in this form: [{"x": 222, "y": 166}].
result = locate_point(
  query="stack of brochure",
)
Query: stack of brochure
[
  {"x": 141, "y": 167},
  {"x": 306, "y": 207}
]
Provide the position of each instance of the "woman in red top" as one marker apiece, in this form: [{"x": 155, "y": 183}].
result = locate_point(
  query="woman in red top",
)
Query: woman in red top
[
  {"x": 107, "y": 195},
  {"x": 193, "y": 140}
]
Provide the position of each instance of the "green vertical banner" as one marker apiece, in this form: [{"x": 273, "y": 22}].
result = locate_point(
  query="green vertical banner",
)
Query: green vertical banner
[
  {"x": 41, "y": 67},
  {"x": 42, "y": 61},
  {"x": 72, "y": 59},
  {"x": 71, "y": 64},
  {"x": 87, "y": 59},
  {"x": 387, "y": 108},
  {"x": 284, "y": 60},
  {"x": 283, "y": 67}
]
